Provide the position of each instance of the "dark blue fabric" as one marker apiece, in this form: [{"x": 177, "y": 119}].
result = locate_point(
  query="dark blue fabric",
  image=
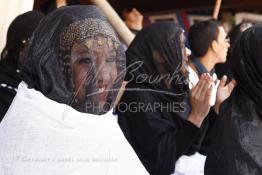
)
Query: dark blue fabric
[{"x": 201, "y": 68}]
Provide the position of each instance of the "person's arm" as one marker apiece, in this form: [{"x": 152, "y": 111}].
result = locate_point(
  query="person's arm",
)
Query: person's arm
[
  {"x": 158, "y": 142},
  {"x": 185, "y": 137}
]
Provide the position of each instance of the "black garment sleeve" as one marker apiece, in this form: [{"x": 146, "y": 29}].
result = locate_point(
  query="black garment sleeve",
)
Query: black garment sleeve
[
  {"x": 6, "y": 98},
  {"x": 157, "y": 140},
  {"x": 208, "y": 134},
  {"x": 185, "y": 137}
]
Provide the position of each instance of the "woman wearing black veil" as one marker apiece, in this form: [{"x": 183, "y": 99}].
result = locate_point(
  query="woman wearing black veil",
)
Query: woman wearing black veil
[
  {"x": 154, "y": 112},
  {"x": 236, "y": 145},
  {"x": 61, "y": 120},
  {"x": 18, "y": 34}
]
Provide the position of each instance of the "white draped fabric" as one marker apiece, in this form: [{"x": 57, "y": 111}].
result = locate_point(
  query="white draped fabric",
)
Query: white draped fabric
[
  {"x": 190, "y": 165},
  {"x": 40, "y": 136}
]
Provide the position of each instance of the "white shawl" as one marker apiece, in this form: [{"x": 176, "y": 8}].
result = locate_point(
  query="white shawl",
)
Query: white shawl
[{"x": 43, "y": 137}]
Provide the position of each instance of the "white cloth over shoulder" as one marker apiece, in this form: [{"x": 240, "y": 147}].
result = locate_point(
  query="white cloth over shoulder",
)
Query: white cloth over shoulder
[
  {"x": 40, "y": 136},
  {"x": 190, "y": 165}
]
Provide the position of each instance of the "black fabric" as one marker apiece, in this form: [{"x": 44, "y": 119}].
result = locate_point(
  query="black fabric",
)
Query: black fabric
[
  {"x": 164, "y": 39},
  {"x": 247, "y": 65},
  {"x": 9, "y": 80},
  {"x": 18, "y": 33},
  {"x": 48, "y": 67},
  {"x": 153, "y": 109},
  {"x": 206, "y": 135},
  {"x": 236, "y": 145}
]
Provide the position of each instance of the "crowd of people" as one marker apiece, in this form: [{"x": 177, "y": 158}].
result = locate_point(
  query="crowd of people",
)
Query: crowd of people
[{"x": 61, "y": 74}]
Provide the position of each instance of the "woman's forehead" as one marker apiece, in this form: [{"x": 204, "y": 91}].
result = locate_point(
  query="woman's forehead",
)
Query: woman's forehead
[
  {"x": 78, "y": 31},
  {"x": 96, "y": 44}
]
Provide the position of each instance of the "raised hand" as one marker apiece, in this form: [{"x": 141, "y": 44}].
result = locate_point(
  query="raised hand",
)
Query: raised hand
[
  {"x": 223, "y": 92},
  {"x": 199, "y": 97}
]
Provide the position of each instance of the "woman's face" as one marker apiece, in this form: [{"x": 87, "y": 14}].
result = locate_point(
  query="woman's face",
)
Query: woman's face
[
  {"x": 94, "y": 70},
  {"x": 185, "y": 54}
]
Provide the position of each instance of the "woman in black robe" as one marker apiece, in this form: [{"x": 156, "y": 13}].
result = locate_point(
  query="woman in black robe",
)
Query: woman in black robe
[
  {"x": 236, "y": 145},
  {"x": 18, "y": 34},
  {"x": 154, "y": 112}
]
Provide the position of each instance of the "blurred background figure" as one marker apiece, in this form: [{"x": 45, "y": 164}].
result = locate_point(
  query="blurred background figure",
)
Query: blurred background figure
[
  {"x": 18, "y": 35},
  {"x": 234, "y": 34},
  {"x": 133, "y": 19},
  {"x": 209, "y": 45}
]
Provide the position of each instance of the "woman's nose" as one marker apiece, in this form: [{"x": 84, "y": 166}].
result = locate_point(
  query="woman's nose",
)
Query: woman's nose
[{"x": 103, "y": 74}]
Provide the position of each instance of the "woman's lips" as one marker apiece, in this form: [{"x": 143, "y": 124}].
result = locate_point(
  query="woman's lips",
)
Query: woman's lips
[{"x": 102, "y": 94}]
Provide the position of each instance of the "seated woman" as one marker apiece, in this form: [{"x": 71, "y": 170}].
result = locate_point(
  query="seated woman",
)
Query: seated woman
[
  {"x": 18, "y": 34},
  {"x": 74, "y": 59},
  {"x": 236, "y": 145},
  {"x": 154, "y": 113}
]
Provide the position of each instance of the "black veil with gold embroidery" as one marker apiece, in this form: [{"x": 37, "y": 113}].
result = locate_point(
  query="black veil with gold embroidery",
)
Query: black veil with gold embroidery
[{"x": 48, "y": 65}]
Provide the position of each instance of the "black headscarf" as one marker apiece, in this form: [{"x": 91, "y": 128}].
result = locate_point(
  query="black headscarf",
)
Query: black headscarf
[
  {"x": 236, "y": 145},
  {"x": 48, "y": 67},
  {"x": 19, "y": 31},
  {"x": 247, "y": 64},
  {"x": 18, "y": 34},
  {"x": 153, "y": 54},
  {"x": 152, "y": 110}
]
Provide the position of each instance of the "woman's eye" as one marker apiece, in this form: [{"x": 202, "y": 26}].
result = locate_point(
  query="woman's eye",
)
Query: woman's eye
[
  {"x": 85, "y": 61},
  {"x": 110, "y": 59}
]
